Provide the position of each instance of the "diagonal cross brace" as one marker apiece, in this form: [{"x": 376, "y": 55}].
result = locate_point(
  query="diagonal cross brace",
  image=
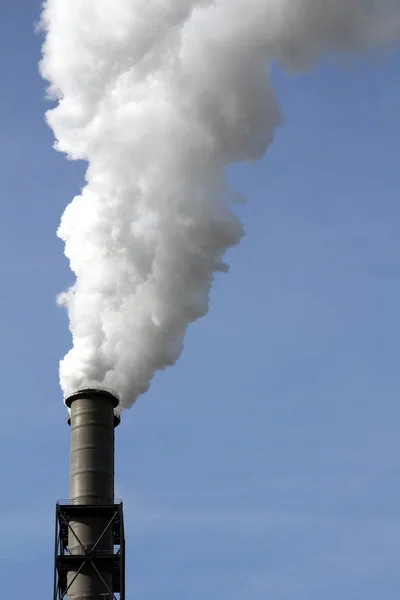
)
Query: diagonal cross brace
[
  {"x": 85, "y": 551},
  {"x": 105, "y": 529},
  {"x": 73, "y": 579}
]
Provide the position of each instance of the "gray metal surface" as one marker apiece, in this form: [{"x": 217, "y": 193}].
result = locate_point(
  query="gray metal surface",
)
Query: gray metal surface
[{"x": 91, "y": 483}]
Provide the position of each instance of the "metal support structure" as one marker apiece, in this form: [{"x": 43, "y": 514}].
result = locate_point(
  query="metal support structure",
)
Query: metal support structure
[{"x": 92, "y": 561}]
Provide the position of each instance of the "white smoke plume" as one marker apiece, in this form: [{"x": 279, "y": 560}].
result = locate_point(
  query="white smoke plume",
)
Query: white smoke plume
[{"x": 159, "y": 96}]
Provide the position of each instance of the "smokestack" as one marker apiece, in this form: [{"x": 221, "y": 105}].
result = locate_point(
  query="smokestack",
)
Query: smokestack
[{"x": 89, "y": 545}]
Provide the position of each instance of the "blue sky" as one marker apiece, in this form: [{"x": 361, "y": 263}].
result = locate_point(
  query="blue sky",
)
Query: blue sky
[{"x": 265, "y": 464}]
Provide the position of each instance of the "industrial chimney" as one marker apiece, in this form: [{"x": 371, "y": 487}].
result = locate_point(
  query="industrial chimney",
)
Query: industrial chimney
[{"x": 89, "y": 537}]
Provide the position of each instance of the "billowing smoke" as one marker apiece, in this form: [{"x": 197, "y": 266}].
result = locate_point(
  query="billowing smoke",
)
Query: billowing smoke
[{"x": 159, "y": 96}]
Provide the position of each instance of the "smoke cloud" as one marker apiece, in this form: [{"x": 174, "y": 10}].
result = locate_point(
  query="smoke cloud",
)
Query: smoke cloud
[{"x": 159, "y": 96}]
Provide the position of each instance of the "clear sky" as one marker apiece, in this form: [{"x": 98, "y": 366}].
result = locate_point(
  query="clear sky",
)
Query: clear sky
[{"x": 266, "y": 463}]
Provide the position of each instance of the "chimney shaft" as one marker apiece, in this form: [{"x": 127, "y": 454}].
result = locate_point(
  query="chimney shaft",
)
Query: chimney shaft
[{"x": 92, "y": 448}]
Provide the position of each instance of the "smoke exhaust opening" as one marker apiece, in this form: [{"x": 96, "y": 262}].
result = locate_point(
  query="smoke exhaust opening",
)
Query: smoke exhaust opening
[{"x": 100, "y": 393}]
